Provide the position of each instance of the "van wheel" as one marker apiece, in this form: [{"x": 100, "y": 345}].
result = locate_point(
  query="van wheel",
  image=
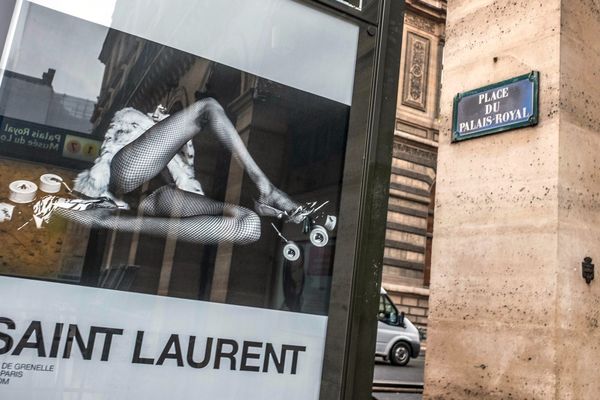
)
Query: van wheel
[{"x": 400, "y": 354}]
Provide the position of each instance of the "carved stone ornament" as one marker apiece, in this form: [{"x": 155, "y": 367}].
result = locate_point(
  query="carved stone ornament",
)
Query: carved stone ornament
[
  {"x": 414, "y": 154},
  {"x": 420, "y": 23},
  {"x": 414, "y": 91}
]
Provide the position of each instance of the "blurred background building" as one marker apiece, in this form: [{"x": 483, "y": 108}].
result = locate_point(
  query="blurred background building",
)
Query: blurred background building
[
  {"x": 34, "y": 99},
  {"x": 407, "y": 258}
]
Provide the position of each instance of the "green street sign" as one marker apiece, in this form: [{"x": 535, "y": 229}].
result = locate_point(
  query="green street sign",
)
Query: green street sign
[{"x": 499, "y": 107}]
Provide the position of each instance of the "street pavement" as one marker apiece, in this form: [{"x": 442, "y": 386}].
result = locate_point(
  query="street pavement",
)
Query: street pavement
[
  {"x": 397, "y": 396},
  {"x": 413, "y": 372}
]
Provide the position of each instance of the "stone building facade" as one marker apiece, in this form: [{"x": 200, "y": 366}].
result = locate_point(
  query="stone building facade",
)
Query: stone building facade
[{"x": 407, "y": 257}]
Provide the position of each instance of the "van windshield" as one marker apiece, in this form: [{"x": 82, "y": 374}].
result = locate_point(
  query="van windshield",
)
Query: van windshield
[{"x": 387, "y": 310}]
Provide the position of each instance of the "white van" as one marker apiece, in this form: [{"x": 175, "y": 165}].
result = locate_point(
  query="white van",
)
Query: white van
[{"x": 398, "y": 339}]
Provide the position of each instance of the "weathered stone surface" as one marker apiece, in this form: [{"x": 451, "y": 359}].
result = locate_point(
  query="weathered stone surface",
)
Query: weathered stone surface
[
  {"x": 500, "y": 258},
  {"x": 577, "y": 304}
]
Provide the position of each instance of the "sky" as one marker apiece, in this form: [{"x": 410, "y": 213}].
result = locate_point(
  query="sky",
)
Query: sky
[
  {"x": 98, "y": 11},
  {"x": 49, "y": 39}
]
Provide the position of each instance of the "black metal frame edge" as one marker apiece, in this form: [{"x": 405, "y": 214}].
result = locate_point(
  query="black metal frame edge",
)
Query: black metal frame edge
[
  {"x": 351, "y": 333},
  {"x": 369, "y": 12}
]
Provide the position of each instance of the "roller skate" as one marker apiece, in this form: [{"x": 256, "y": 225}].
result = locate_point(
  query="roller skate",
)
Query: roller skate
[
  {"x": 291, "y": 251},
  {"x": 306, "y": 215}
]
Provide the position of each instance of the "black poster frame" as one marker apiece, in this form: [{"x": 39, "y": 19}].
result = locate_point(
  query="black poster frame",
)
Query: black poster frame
[
  {"x": 350, "y": 341},
  {"x": 351, "y": 333}
]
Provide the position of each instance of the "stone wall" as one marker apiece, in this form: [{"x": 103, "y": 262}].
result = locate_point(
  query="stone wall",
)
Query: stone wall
[
  {"x": 578, "y": 304},
  {"x": 510, "y": 315}
]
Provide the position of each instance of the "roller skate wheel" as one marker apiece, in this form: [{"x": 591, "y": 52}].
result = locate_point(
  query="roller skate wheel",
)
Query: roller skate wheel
[
  {"x": 319, "y": 236},
  {"x": 291, "y": 252},
  {"x": 330, "y": 222}
]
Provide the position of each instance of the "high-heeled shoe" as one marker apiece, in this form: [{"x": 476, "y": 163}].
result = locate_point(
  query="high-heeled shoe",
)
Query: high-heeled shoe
[
  {"x": 298, "y": 215},
  {"x": 265, "y": 210}
]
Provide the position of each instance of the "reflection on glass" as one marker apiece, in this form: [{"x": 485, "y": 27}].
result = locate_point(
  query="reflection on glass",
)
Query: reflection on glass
[
  {"x": 357, "y": 4},
  {"x": 54, "y": 81},
  {"x": 191, "y": 178}
]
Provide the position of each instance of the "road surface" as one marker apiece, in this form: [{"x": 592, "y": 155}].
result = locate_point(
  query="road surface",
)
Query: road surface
[{"x": 413, "y": 372}]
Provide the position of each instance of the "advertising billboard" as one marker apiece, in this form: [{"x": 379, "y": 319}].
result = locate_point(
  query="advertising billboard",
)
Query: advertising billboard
[
  {"x": 60, "y": 342},
  {"x": 170, "y": 176}
]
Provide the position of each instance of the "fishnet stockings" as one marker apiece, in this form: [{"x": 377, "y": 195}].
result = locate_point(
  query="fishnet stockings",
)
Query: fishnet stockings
[
  {"x": 188, "y": 216},
  {"x": 196, "y": 218}
]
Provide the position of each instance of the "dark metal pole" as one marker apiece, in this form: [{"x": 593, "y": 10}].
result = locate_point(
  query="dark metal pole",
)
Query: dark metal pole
[{"x": 350, "y": 345}]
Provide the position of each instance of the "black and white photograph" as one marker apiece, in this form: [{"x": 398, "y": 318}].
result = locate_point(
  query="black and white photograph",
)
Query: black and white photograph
[{"x": 195, "y": 169}]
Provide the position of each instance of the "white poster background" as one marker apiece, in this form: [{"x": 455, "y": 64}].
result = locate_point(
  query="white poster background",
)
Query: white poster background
[
  {"x": 118, "y": 378},
  {"x": 281, "y": 40}
]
